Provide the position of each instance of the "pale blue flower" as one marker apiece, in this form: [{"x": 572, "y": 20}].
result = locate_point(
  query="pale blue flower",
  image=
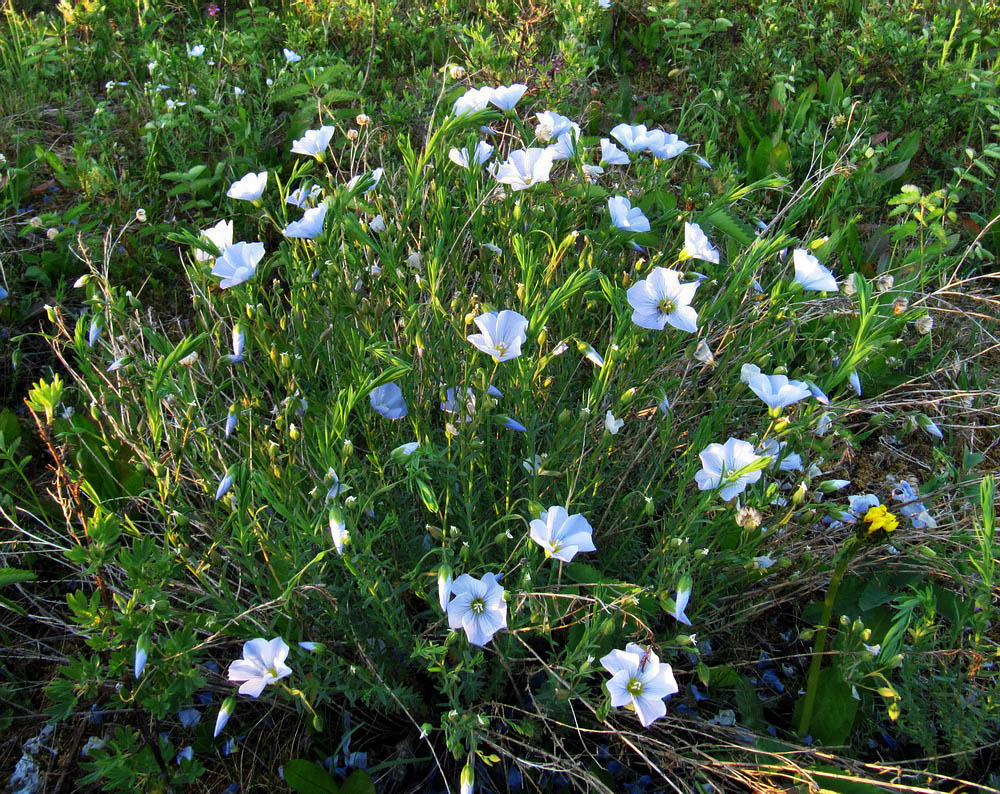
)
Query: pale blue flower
[
  {"x": 562, "y": 535},
  {"x": 387, "y": 400},
  {"x": 231, "y": 419},
  {"x": 664, "y": 145},
  {"x": 625, "y": 216},
  {"x": 502, "y": 334},
  {"x": 290, "y": 55},
  {"x": 480, "y": 154},
  {"x": 697, "y": 246},
  {"x": 855, "y": 382},
  {"x": 777, "y": 391},
  {"x": 472, "y": 100},
  {"x": 611, "y": 154},
  {"x": 238, "y": 263},
  {"x": 263, "y": 663},
  {"x": 725, "y": 466},
  {"x": 512, "y": 424},
  {"x": 632, "y": 137},
  {"x": 639, "y": 681},
  {"x": 196, "y": 51},
  {"x": 552, "y": 125},
  {"x": 93, "y": 333},
  {"x": 248, "y": 188},
  {"x": 220, "y": 236},
  {"x": 524, "y": 168},
  {"x": 661, "y": 299},
  {"x": 462, "y": 403},
  {"x": 811, "y": 274},
  {"x": 505, "y": 97},
  {"x": 309, "y": 226},
  {"x": 313, "y": 143},
  {"x": 478, "y": 607}
]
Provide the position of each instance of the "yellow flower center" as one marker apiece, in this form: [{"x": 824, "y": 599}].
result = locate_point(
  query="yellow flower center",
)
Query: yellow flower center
[
  {"x": 666, "y": 306},
  {"x": 879, "y": 517},
  {"x": 478, "y": 606}
]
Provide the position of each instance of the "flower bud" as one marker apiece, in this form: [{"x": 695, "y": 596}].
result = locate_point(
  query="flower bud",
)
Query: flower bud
[{"x": 225, "y": 712}]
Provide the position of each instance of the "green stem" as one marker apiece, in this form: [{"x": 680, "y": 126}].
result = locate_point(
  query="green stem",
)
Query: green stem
[{"x": 819, "y": 642}]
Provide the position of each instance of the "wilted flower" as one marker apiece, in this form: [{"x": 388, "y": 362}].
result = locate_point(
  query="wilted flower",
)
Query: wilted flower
[
  {"x": 444, "y": 583},
  {"x": 263, "y": 663},
  {"x": 525, "y": 167},
  {"x": 924, "y": 324},
  {"x": 855, "y": 382},
  {"x": 697, "y": 246},
  {"x": 309, "y": 226},
  {"x": 362, "y": 120},
  {"x": 639, "y": 681},
  {"x": 811, "y": 274},
  {"x": 612, "y": 424},
  {"x": 387, "y": 400},
  {"x": 338, "y": 529},
  {"x": 611, "y": 154},
  {"x": 502, "y": 334},
  {"x": 482, "y": 152},
  {"x": 239, "y": 341},
  {"x": 376, "y": 176},
  {"x": 403, "y": 451},
  {"x": 681, "y": 599},
  {"x": 463, "y": 404},
  {"x": 625, "y": 216},
  {"x": 238, "y": 263},
  {"x": 748, "y": 517},
  {"x": 301, "y": 197},
  {"x": 724, "y": 465},
  {"x": 377, "y": 224},
  {"x": 224, "y": 485},
  {"x": 249, "y": 188},
  {"x": 552, "y": 125},
  {"x": 456, "y": 72},
  {"x": 631, "y": 136},
  {"x": 662, "y": 299},
  {"x": 478, "y": 607},
  {"x": 313, "y": 143},
  {"x": 562, "y": 535},
  {"x": 505, "y": 97},
  {"x": 140, "y": 214},
  {"x": 291, "y": 56}
]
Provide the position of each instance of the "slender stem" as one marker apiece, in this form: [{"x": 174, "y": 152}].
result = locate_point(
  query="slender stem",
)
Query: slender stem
[{"x": 819, "y": 642}]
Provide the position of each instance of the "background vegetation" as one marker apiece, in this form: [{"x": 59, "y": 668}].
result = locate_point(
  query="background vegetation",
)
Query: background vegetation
[{"x": 868, "y": 133}]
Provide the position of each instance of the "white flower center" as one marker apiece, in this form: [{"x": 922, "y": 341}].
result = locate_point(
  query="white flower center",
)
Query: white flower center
[{"x": 478, "y": 606}]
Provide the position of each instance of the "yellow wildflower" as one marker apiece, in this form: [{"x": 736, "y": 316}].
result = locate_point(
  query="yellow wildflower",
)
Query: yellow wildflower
[{"x": 879, "y": 517}]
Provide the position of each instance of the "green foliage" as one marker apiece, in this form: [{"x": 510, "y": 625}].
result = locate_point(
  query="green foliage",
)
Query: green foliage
[{"x": 865, "y": 133}]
